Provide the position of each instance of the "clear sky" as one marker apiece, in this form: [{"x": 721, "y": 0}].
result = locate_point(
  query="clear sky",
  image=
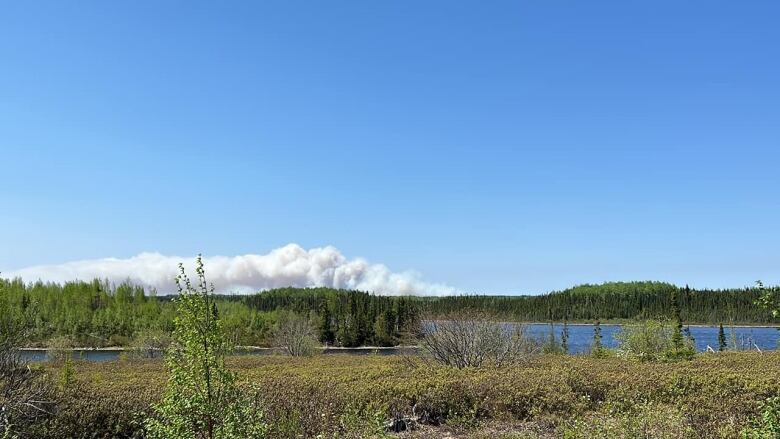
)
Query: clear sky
[{"x": 497, "y": 147}]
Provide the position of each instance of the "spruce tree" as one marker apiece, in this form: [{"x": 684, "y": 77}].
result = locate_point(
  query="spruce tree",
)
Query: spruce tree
[
  {"x": 721, "y": 338},
  {"x": 677, "y": 335},
  {"x": 327, "y": 335},
  {"x": 597, "y": 347}
]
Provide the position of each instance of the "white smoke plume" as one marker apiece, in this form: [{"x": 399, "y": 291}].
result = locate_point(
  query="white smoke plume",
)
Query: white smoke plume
[{"x": 290, "y": 265}]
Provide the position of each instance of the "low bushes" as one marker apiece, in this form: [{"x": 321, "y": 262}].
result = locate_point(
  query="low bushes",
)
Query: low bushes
[
  {"x": 713, "y": 396},
  {"x": 654, "y": 340},
  {"x": 473, "y": 339}
]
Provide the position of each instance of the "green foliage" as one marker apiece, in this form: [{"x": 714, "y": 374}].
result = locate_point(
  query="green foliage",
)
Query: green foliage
[
  {"x": 653, "y": 340},
  {"x": 26, "y": 396},
  {"x": 347, "y": 318},
  {"x": 332, "y": 396},
  {"x": 614, "y": 301},
  {"x": 66, "y": 373},
  {"x": 100, "y": 314},
  {"x": 327, "y": 335},
  {"x": 645, "y": 420},
  {"x": 201, "y": 399},
  {"x": 677, "y": 332},
  {"x": 551, "y": 344},
  {"x": 565, "y": 338},
  {"x": 768, "y": 299},
  {"x": 91, "y": 314},
  {"x": 384, "y": 335},
  {"x": 767, "y": 425},
  {"x": 597, "y": 348}
]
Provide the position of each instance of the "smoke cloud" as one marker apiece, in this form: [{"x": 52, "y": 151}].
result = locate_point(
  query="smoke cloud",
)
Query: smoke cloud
[{"x": 290, "y": 265}]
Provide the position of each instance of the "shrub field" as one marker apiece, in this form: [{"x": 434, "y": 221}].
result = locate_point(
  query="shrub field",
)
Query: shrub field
[{"x": 713, "y": 396}]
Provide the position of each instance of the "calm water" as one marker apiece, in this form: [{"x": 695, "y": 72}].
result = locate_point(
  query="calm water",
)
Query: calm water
[
  {"x": 581, "y": 336},
  {"x": 580, "y": 339}
]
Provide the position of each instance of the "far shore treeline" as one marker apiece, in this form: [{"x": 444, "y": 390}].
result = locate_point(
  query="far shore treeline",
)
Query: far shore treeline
[{"x": 97, "y": 313}]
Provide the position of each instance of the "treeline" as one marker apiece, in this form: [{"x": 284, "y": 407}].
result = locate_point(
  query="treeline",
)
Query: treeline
[
  {"x": 98, "y": 313},
  {"x": 345, "y": 317},
  {"x": 92, "y": 313},
  {"x": 616, "y": 301}
]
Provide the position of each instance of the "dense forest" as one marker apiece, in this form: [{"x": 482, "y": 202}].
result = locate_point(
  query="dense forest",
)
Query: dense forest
[
  {"x": 98, "y": 313},
  {"x": 617, "y": 301},
  {"x": 345, "y": 318}
]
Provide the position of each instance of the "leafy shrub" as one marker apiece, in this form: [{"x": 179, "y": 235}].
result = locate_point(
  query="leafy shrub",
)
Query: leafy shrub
[
  {"x": 768, "y": 424},
  {"x": 652, "y": 340},
  {"x": 201, "y": 399},
  {"x": 643, "y": 421},
  {"x": 333, "y": 395}
]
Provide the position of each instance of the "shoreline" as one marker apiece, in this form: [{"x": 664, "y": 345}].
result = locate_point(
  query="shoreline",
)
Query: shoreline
[
  {"x": 629, "y": 322},
  {"x": 238, "y": 348},
  {"x": 391, "y": 348}
]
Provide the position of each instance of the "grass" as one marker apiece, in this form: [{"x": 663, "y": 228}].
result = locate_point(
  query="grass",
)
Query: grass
[{"x": 713, "y": 396}]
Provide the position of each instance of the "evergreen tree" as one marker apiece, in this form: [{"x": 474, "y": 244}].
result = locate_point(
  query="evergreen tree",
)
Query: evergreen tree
[
  {"x": 597, "y": 347},
  {"x": 383, "y": 335},
  {"x": 565, "y": 337},
  {"x": 327, "y": 335},
  {"x": 721, "y": 338},
  {"x": 96, "y": 313},
  {"x": 677, "y": 335}
]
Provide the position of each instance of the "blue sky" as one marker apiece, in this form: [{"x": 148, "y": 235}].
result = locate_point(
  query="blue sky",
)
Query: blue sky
[{"x": 507, "y": 147}]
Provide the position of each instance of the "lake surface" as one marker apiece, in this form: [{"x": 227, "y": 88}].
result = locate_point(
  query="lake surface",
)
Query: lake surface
[
  {"x": 580, "y": 340},
  {"x": 581, "y": 336}
]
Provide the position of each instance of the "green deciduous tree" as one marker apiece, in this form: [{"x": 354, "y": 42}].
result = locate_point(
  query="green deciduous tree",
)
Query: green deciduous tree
[
  {"x": 202, "y": 400},
  {"x": 768, "y": 424},
  {"x": 652, "y": 340},
  {"x": 26, "y": 395}
]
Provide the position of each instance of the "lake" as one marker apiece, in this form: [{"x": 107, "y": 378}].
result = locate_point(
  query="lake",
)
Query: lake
[
  {"x": 581, "y": 336},
  {"x": 580, "y": 339}
]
